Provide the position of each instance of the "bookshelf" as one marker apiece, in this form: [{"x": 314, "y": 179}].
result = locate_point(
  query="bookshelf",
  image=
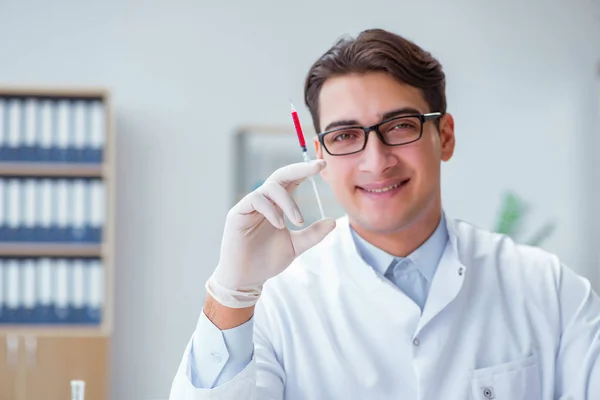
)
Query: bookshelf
[{"x": 57, "y": 242}]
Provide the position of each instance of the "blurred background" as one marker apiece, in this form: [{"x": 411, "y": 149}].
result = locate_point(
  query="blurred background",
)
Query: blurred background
[{"x": 184, "y": 76}]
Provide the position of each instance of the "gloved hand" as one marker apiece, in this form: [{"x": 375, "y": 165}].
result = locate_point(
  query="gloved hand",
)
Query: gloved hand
[{"x": 256, "y": 245}]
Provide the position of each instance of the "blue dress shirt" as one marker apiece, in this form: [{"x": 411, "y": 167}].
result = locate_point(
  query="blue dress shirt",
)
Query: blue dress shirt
[
  {"x": 218, "y": 356},
  {"x": 413, "y": 274}
]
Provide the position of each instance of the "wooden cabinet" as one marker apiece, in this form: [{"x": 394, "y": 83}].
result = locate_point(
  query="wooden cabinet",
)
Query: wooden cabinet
[
  {"x": 9, "y": 368},
  {"x": 43, "y": 350},
  {"x": 57, "y": 361},
  {"x": 42, "y": 368}
]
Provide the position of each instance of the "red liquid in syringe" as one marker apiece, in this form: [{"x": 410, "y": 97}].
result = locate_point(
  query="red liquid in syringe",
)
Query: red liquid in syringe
[{"x": 298, "y": 128}]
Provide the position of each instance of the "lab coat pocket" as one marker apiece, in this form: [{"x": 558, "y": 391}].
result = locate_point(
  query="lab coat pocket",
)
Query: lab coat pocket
[{"x": 515, "y": 380}]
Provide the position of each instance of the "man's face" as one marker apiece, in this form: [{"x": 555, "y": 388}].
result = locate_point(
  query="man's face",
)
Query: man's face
[{"x": 412, "y": 170}]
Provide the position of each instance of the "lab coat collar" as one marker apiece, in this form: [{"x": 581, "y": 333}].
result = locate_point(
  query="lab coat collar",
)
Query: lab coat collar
[
  {"x": 448, "y": 279},
  {"x": 445, "y": 286},
  {"x": 452, "y": 234}
]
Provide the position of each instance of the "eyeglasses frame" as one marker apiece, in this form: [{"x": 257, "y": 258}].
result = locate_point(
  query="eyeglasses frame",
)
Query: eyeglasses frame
[{"x": 367, "y": 129}]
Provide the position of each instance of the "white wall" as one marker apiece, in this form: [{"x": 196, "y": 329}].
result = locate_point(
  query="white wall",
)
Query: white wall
[{"x": 185, "y": 73}]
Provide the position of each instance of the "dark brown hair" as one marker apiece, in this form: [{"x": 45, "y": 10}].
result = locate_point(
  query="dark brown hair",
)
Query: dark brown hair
[{"x": 376, "y": 50}]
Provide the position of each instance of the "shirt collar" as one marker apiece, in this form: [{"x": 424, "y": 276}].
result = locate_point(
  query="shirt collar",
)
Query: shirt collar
[{"x": 426, "y": 257}]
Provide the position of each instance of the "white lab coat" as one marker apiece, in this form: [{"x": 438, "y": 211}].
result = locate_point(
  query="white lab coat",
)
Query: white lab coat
[{"x": 502, "y": 321}]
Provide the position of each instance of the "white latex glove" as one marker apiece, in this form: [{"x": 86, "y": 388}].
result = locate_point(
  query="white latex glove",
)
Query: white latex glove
[{"x": 256, "y": 245}]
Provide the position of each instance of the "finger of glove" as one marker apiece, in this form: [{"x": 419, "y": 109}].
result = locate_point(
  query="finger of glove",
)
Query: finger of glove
[
  {"x": 296, "y": 173},
  {"x": 259, "y": 203},
  {"x": 283, "y": 200},
  {"x": 304, "y": 239}
]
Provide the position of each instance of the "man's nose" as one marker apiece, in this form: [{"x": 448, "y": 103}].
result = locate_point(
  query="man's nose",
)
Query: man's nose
[{"x": 377, "y": 156}]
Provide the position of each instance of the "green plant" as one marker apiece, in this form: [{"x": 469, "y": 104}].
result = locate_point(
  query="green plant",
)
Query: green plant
[{"x": 512, "y": 217}]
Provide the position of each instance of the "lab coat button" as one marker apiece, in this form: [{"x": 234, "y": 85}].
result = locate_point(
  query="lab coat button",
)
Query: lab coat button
[
  {"x": 460, "y": 271},
  {"x": 488, "y": 393},
  {"x": 416, "y": 342},
  {"x": 217, "y": 357}
]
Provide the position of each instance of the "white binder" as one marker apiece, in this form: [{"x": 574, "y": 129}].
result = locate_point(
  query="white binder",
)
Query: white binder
[
  {"x": 47, "y": 214},
  {"x": 78, "y": 282},
  {"x": 29, "y": 292},
  {"x": 80, "y": 130},
  {"x": 44, "y": 282},
  {"x": 46, "y": 142},
  {"x": 15, "y": 134},
  {"x": 97, "y": 210},
  {"x": 98, "y": 129},
  {"x": 13, "y": 290},
  {"x": 79, "y": 209},
  {"x": 64, "y": 115},
  {"x": 31, "y": 128},
  {"x": 95, "y": 299},
  {"x": 2, "y": 291},
  {"x": 63, "y": 208},
  {"x": 30, "y": 208},
  {"x": 61, "y": 293},
  {"x": 3, "y": 129},
  {"x": 14, "y": 212},
  {"x": 3, "y": 207}
]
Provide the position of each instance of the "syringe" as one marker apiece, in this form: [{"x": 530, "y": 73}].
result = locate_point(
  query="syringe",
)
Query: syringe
[{"x": 305, "y": 154}]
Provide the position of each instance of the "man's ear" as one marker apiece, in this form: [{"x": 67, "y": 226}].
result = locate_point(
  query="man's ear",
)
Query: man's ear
[
  {"x": 319, "y": 153},
  {"x": 318, "y": 148},
  {"x": 447, "y": 138}
]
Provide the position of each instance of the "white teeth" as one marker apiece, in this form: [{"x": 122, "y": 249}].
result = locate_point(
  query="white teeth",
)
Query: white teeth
[{"x": 382, "y": 189}]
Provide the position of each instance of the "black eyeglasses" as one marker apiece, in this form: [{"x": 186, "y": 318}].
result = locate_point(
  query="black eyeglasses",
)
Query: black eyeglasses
[{"x": 396, "y": 131}]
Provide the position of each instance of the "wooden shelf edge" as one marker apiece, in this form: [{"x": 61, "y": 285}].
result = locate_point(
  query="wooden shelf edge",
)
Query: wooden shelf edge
[
  {"x": 54, "y": 91},
  {"x": 54, "y": 330},
  {"x": 50, "y": 250},
  {"x": 43, "y": 169}
]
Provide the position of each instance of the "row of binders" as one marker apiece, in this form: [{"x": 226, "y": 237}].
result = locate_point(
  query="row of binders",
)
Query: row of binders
[
  {"x": 52, "y": 129},
  {"x": 52, "y": 210},
  {"x": 51, "y": 291}
]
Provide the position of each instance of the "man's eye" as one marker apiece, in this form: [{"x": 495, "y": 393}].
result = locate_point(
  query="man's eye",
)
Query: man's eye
[
  {"x": 345, "y": 136},
  {"x": 404, "y": 125}
]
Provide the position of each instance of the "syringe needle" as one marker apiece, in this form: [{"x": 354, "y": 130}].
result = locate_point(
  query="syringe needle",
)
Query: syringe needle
[{"x": 314, "y": 184}]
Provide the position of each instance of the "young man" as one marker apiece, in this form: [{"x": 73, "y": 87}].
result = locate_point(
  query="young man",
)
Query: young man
[{"x": 395, "y": 300}]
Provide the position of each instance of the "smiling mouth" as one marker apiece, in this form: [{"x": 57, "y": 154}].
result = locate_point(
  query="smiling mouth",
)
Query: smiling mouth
[{"x": 387, "y": 188}]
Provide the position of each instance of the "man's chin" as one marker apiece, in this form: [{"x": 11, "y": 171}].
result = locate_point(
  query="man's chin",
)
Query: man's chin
[{"x": 381, "y": 224}]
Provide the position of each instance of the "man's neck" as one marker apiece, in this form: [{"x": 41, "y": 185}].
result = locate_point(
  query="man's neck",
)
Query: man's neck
[{"x": 406, "y": 240}]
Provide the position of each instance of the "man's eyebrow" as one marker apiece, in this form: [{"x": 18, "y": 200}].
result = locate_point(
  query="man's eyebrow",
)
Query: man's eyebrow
[
  {"x": 401, "y": 111},
  {"x": 346, "y": 122},
  {"x": 387, "y": 115}
]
